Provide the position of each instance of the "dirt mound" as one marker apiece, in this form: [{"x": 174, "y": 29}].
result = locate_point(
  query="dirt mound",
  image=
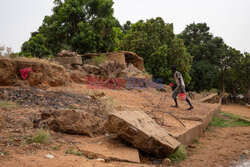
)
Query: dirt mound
[
  {"x": 74, "y": 122},
  {"x": 44, "y": 73}
]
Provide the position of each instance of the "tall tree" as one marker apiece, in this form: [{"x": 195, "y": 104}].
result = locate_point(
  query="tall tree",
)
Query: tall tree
[
  {"x": 80, "y": 25},
  {"x": 145, "y": 38},
  {"x": 156, "y": 42},
  {"x": 37, "y": 46},
  {"x": 208, "y": 52}
]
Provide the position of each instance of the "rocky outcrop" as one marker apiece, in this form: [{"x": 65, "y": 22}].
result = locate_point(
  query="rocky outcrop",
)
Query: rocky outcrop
[
  {"x": 43, "y": 73},
  {"x": 143, "y": 132},
  {"x": 73, "y": 122},
  {"x": 66, "y": 57},
  {"x": 66, "y": 53},
  {"x": 91, "y": 69}
]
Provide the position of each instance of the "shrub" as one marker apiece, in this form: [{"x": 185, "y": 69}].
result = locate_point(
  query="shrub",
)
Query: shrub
[
  {"x": 41, "y": 136},
  {"x": 179, "y": 155},
  {"x": 72, "y": 151},
  {"x": 96, "y": 60}
]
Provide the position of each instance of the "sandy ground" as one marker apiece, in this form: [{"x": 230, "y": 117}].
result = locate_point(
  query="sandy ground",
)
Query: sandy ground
[
  {"x": 221, "y": 147},
  {"x": 236, "y": 110}
]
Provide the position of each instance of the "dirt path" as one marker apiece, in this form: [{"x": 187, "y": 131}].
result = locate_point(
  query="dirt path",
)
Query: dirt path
[
  {"x": 236, "y": 110},
  {"x": 221, "y": 147}
]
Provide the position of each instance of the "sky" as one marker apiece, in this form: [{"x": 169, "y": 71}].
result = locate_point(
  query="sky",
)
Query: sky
[{"x": 229, "y": 19}]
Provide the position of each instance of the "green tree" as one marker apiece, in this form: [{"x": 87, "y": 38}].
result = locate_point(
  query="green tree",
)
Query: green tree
[
  {"x": 81, "y": 25},
  {"x": 126, "y": 27},
  {"x": 36, "y": 47},
  {"x": 163, "y": 59},
  {"x": 203, "y": 75},
  {"x": 236, "y": 78},
  {"x": 156, "y": 42},
  {"x": 208, "y": 53},
  {"x": 145, "y": 38}
]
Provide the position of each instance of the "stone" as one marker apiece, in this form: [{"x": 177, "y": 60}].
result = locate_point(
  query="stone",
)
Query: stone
[
  {"x": 74, "y": 122},
  {"x": 49, "y": 156},
  {"x": 246, "y": 152},
  {"x": 100, "y": 159},
  {"x": 66, "y": 53},
  {"x": 67, "y": 66},
  {"x": 77, "y": 60},
  {"x": 43, "y": 74},
  {"x": 137, "y": 128},
  {"x": 91, "y": 69},
  {"x": 106, "y": 149},
  {"x": 166, "y": 162}
]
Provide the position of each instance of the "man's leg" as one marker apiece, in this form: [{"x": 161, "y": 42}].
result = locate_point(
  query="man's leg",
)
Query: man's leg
[
  {"x": 191, "y": 106},
  {"x": 187, "y": 99},
  {"x": 174, "y": 95}
]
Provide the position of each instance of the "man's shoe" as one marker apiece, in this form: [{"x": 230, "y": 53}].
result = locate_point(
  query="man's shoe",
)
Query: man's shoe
[
  {"x": 174, "y": 106},
  {"x": 190, "y": 108}
]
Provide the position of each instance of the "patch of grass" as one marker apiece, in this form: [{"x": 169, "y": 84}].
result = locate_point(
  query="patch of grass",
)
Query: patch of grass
[
  {"x": 196, "y": 141},
  {"x": 74, "y": 152},
  {"x": 41, "y": 136},
  {"x": 179, "y": 155},
  {"x": 57, "y": 147},
  {"x": 4, "y": 153},
  {"x": 73, "y": 107},
  {"x": 96, "y": 60},
  {"x": 8, "y": 104},
  {"x": 221, "y": 119}
]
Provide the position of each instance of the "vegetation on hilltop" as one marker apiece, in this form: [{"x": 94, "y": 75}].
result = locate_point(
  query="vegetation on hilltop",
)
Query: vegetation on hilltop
[{"x": 205, "y": 60}]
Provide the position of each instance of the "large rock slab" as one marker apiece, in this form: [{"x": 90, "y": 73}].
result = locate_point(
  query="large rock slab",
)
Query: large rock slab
[
  {"x": 73, "y": 122},
  {"x": 105, "y": 148},
  {"x": 143, "y": 132}
]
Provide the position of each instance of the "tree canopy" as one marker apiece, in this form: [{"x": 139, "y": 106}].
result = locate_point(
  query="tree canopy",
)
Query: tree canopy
[
  {"x": 79, "y": 25},
  {"x": 156, "y": 42},
  {"x": 215, "y": 64},
  {"x": 83, "y": 26}
]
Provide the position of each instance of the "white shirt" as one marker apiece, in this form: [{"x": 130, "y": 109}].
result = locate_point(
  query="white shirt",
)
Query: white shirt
[{"x": 177, "y": 78}]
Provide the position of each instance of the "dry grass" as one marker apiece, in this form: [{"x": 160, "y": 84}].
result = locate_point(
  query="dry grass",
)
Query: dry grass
[
  {"x": 8, "y": 104},
  {"x": 41, "y": 136}
]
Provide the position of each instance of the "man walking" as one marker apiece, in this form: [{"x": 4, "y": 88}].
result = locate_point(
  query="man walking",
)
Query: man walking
[{"x": 180, "y": 87}]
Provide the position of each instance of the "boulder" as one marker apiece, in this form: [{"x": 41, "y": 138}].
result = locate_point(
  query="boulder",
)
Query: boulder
[
  {"x": 73, "y": 122},
  {"x": 68, "y": 57},
  {"x": 76, "y": 60},
  {"x": 137, "y": 128},
  {"x": 78, "y": 76},
  {"x": 91, "y": 69},
  {"x": 66, "y": 53},
  {"x": 166, "y": 162},
  {"x": 43, "y": 73}
]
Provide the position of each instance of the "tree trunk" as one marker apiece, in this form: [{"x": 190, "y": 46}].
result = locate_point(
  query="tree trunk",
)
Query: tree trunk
[{"x": 223, "y": 85}]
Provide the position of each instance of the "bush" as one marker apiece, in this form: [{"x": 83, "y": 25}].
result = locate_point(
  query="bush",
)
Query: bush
[
  {"x": 41, "y": 136},
  {"x": 96, "y": 60},
  {"x": 73, "y": 152},
  {"x": 179, "y": 155}
]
